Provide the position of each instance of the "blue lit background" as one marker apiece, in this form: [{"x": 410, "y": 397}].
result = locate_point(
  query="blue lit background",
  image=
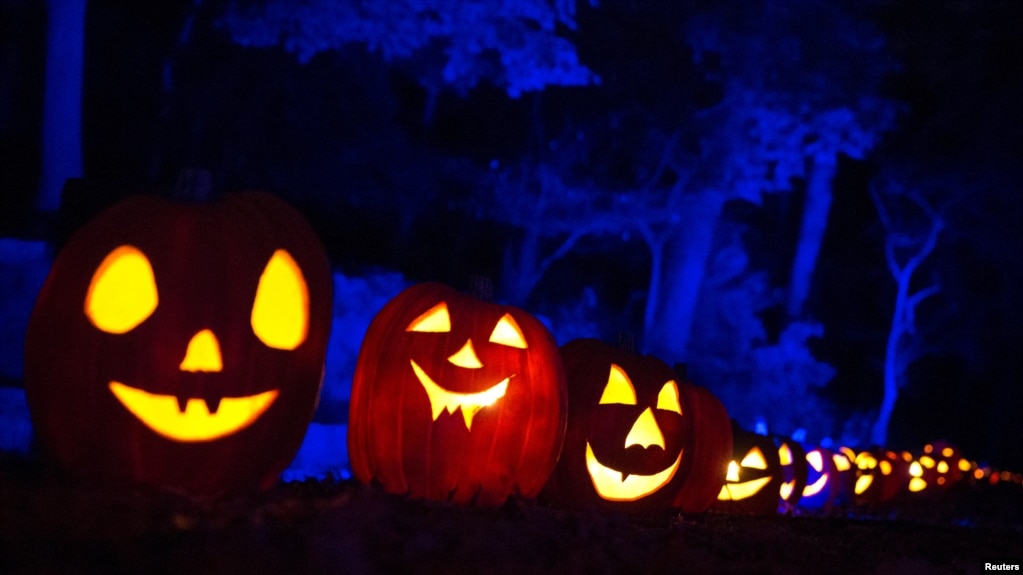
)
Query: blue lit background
[{"x": 700, "y": 179}]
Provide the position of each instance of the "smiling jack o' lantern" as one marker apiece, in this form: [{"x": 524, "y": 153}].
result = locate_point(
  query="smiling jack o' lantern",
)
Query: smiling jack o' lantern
[
  {"x": 639, "y": 438},
  {"x": 458, "y": 399},
  {"x": 792, "y": 458},
  {"x": 181, "y": 345},
  {"x": 754, "y": 476}
]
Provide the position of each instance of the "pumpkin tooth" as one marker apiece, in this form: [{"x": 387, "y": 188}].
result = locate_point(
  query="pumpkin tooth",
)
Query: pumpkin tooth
[
  {"x": 182, "y": 402},
  {"x": 212, "y": 405}
]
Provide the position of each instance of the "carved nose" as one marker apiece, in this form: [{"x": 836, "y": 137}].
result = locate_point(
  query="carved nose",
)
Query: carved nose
[
  {"x": 645, "y": 431},
  {"x": 203, "y": 353},
  {"x": 466, "y": 357}
]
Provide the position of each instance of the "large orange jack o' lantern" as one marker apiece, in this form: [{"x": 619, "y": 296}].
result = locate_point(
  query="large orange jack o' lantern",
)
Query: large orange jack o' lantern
[
  {"x": 181, "y": 345},
  {"x": 458, "y": 399}
]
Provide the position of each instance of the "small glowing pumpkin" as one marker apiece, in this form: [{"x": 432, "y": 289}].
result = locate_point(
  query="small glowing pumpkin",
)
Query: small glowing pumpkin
[
  {"x": 181, "y": 345},
  {"x": 792, "y": 458},
  {"x": 640, "y": 437},
  {"x": 830, "y": 479},
  {"x": 456, "y": 399},
  {"x": 753, "y": 479}
]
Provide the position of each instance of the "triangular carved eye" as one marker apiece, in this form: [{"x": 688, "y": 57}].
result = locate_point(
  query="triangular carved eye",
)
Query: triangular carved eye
[
  {"x": 754, "y": 459},
  {"x": 667, "y": 398},
  {"x": 507, "y": 332},
  {"x": 619, "y": 388},
  {"x": 434, "y": 320}
]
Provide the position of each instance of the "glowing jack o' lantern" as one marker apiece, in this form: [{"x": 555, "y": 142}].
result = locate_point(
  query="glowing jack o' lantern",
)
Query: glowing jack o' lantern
[
  {"x": 181, "y": 345},
  {"x": 637, "y": 436},
  {"x": 754, "y": 477},
  {"x": 456, "y": 399},
  {"x": 792, "y": 458}
]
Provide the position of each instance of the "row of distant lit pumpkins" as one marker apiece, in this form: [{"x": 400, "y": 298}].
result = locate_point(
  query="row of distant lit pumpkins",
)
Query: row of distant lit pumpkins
[{"x": 182, "y": 345}]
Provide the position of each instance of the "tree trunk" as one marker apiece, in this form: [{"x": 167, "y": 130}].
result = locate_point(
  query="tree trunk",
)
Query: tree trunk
[
  {"x": 62, "y": 102},
  {"x": 519, "y": 269},
  {"x": 671, "y": 301},
  {"x": 879, "y": 432},
  {"x": 811, "y": 234}
]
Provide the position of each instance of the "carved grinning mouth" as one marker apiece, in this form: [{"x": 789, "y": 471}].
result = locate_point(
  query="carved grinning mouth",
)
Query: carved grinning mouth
[
  {"x": 737, "y": 491},
  {"x": 192, "y": 419},
  {"x": 618, "y": 486},
  {"x": 469, "y": 403}
]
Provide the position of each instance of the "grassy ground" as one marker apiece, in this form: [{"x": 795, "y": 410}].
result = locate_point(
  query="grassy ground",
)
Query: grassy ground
[{"x": 49, "y": 524}]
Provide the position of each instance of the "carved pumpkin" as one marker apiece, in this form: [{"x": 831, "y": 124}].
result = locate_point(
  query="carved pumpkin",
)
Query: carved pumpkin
[
  {"x": 792, "y": 458},
  {"x": 638, "y": 438},
  {"x": 829, "y": 479},
  {"x": 754, "y": 476},
  {"x": 456, "y": 399},
  {"x": 880, "y": 475},
  {"x": 181, "y": 345},
  {"x": 937, "y": 468},
  {"x": 711, "y": 449}
]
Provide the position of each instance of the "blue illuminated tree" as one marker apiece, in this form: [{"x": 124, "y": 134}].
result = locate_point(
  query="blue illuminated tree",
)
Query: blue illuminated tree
[
  {"x": 802, "y": 86},
  {"x": 912, "y": 228},
  {"x": 62, "y": 106},
  {"x": 518, "y": 45}
]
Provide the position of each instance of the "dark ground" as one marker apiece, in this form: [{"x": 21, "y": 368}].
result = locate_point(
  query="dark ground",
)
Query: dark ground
[{"x": 50, "y": 524}]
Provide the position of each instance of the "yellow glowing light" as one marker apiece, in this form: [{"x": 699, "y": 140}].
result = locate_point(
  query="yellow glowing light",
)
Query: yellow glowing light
[
  {"x": 738, "y": 491},
  {"x": 965, "y": 465},
  {"x": 841, "y": 462},
  {"x": 917, "y": 484},
  {"x": 616, "y": 486},
  {"x": 470, "y": 403},
  {"x": 886, "y": 467},
  {"x": 618, "y": 389},
  {"x": 466, "y": 357},
  {"x": 754, "y": 459},
  {"x": 122, "y": 293},
  {"x": 915, "y": 469},
  {"x": 733, "y": 472},
  {"x": 787, "y": 488},
  {"x": 203, "y": 353},
  {"x": 927, "y": 462},
  {"x": 667, "y": 398},
  {"x": 507, "y": 332},
  {"x": 816, "y": 487},
  {"x": 863, "y": 483},
  {"x": 942, "y": 467},
  {"x": 434, "y": 320},
  {"x": 865, "y": 460},
  {"x": 645, "y": 431},
  {"x": 280, "y": 311},
  {"x": 785, "y": 454},
  {"x": 947, "y": 452},
  {"x": 161, "y": 413},
  {"x": 815, "y": 460}
]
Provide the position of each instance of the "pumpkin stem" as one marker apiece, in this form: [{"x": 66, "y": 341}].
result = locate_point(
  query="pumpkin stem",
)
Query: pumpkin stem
[
  {"x": 482, "y": 288},
  {"x": 194, "y": 186}
]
